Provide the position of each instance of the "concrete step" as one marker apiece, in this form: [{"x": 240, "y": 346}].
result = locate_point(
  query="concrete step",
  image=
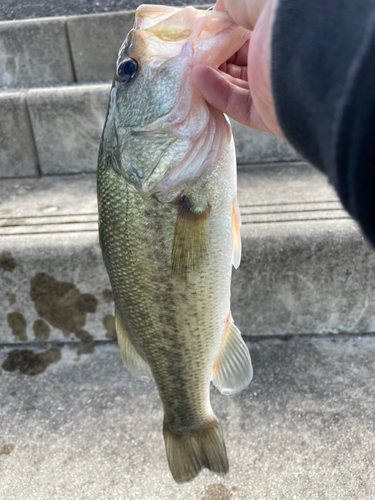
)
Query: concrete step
[
  {"x": 62, "y": 50},
  {"x": 57, "y": 130},
  {"x": 305, "y": 267},
  {"x": 79, "y": 426},
  {"x": 23, "y": 9},
  {"x": 54, "y": 101}
]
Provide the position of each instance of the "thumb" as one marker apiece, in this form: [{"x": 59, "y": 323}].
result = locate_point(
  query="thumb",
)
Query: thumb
[{"x": 232, "y": 100}]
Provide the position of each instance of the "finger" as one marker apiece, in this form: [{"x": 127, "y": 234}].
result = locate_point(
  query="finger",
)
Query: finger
[
  {"x": 236, "y": 81},
  {"x": 240, "y": 57},
  {"x": 238, "y": 72},
  {"x": 223, "y": 94},
  {"x": 236, "y": 102},
  {"x": 219, "y": 5}
]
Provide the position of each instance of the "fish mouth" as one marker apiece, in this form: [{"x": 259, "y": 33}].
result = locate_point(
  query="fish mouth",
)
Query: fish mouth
[{"x": 203, "y": 37}]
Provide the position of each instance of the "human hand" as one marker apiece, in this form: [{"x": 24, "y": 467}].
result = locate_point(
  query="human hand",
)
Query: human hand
[{"x": 241, "y": 87}]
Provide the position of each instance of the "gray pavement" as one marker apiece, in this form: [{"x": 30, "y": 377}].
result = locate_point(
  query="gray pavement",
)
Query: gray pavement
[{"x": 85, "y": 429}]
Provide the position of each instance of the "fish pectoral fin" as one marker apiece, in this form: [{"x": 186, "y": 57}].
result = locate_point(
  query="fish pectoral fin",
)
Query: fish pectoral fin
[
  {"x": 192, "y": 451},
  {"x": 233, "y": 370},
  {"x": 190, "y": 241},
  {"x": 132, "y": 360},
  {"x": 236, "y": 234}
]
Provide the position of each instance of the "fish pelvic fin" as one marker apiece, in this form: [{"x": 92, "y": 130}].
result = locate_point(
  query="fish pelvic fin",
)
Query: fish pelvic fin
[
  {"x": 190, "y": 241},
  {"x": 189, "y": 453},
  {"x": 232, "y": 371},
  {"x": 236, "y": 234},
  {"x": 132, "y": 360}
]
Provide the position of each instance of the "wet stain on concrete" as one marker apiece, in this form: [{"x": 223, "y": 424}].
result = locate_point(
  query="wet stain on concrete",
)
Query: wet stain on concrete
[
  {"x": 41, "y": 329},
  {"x": 107, "y": 295},
  {"x": 17, "y": 323},
  {"x": 7, "y": 262},
  {"x": 86, "y": 348},
  {"x": 13, "y": 222},
  {"x": 109, "y": 325},
  {"x": 84, "y": 336},
  {"x": 11, "y": 298},
  {"x": 7, "y": 449},
  {"x": 62, "y": 304},
  {"x": 29, "y": 362},
  {"x": 217, "y": 492}
]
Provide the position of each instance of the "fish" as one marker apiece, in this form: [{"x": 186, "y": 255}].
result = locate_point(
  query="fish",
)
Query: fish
[{"x": 169, "y": 226}]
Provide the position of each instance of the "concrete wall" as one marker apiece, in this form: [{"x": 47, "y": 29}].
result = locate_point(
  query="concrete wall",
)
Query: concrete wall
[
  {"x": 58, "y": 130},
  {"x": 55, "y": 76}
]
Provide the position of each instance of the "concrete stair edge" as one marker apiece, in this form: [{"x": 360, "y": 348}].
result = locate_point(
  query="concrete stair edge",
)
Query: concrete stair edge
[
  {"x": 62, "y": 50},
  {"x": 59, "y": 129},
  {"x": 306, "y": 268}
]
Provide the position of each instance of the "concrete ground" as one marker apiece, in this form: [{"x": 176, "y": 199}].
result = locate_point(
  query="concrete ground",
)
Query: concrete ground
[
  {"x": 23, "y": 9},
  {"x": 79, "y": 426}
]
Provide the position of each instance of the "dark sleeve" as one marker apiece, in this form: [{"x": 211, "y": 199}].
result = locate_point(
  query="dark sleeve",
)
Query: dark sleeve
[{"x": 323, "y": 83}]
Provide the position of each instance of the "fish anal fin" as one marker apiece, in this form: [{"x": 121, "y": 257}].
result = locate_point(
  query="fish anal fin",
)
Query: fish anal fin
[
  {"x": 189, "y": 453},
  {"x": 132, "y": 360},
  {"x": 236, "y": 234},
  {"x": 190, "y": 241},
  {"x": 233, "y": 370}
]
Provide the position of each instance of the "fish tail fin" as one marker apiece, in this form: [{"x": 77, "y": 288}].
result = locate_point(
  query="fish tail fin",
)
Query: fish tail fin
[{"x": 202, "y": 448}]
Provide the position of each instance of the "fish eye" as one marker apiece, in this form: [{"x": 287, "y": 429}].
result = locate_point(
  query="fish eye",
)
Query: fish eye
[{"x": 127, "y": 69}]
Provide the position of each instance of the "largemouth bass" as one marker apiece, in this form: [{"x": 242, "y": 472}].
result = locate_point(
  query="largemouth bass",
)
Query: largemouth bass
[{"x": 169, "y": 226}]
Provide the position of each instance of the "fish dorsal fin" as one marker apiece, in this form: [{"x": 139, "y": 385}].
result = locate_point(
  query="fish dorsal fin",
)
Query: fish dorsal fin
[
  {"x": 236, "y": 234},
  {"x": 132, "y": 360},
  {"x": 232, "y": 371},
  {"x": 190, "y": 241}
]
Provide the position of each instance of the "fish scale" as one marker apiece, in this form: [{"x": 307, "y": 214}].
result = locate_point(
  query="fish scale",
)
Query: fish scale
[{"x": 191, "y": 316}]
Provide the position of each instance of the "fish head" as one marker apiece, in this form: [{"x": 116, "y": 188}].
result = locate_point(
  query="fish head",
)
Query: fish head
[{"x": 160, "y": 132}]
